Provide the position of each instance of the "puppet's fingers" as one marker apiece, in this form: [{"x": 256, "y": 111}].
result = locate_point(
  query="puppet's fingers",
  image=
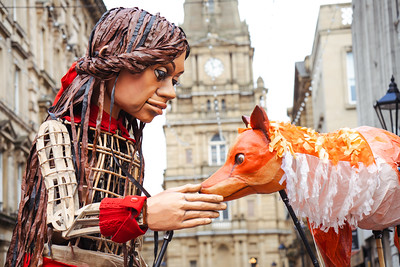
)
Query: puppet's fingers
[
  {"x": 193, "y": 214},
  {"x": 202, "y": 205},
  {"x": 195, "y": 222},
  {"x": 187, "y": 188},
  {"x": 204, "y": 197}
]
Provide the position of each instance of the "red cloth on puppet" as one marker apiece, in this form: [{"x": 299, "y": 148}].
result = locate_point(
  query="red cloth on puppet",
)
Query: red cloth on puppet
[
  {"x": 52, "y": 263},
  {"x": 66, "y": 81},
  {"x": 46, "y": 262},
  {"x": 118, "y": 218},
  {"x": 105, "y": 122},
  {"x": 335, "y": 248}
]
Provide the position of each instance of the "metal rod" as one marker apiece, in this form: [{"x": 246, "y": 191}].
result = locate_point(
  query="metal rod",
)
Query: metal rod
[
  {"x": 167, "y": 238},
  {"x": 298, "y": 227}
]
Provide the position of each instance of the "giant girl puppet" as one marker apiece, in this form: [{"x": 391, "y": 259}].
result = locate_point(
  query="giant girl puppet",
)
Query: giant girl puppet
[{"x": 78, "y": 206}]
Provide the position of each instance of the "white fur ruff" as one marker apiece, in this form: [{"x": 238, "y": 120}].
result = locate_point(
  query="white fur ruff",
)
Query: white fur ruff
[{"x": 329, "y": 195}]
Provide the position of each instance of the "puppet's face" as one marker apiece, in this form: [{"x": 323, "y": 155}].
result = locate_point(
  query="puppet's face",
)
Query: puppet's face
[{"x": 146, "y": 94}]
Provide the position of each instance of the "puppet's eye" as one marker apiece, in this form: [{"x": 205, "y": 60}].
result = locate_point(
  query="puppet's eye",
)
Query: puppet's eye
[{"x": 239, "y": 158}]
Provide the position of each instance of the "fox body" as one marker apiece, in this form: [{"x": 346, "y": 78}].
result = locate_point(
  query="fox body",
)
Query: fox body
[{"x": 347, "y": 177}]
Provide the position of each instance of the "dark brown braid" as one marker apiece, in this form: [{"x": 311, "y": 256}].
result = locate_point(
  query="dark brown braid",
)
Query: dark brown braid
[{"x": 123, "y": 39}]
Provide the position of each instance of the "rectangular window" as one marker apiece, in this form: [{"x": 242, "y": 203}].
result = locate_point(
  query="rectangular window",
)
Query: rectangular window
[
  {"x": 250, "y": 208},
  {"x": 189, "y": 155},
  {"x": 222, "y": 154},
  {"x": 351, "y": 83},
  {"x": 214, "y": 154},
  {"x": 1, "y": 181},
  {"x": 14, "y": 4},
  {"x": 224, "y": 214},
  {"x": 17, "y": 76},
  {"x": 19, "y": 181}
]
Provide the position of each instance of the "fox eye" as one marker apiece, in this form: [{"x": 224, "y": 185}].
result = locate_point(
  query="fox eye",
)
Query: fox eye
[{"x": 239, "y": 158}]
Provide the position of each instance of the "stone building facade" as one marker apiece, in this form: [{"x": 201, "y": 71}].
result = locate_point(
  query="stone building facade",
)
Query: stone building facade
[
  {"x": 364, "y": 34},
  {"x": 216, "y": 90},
  {"x": 324, "y": 95},
  {"x": 324, "y": 81},
  {"x": 376, "y": 46},
  {"x": 39, "y": 40}
]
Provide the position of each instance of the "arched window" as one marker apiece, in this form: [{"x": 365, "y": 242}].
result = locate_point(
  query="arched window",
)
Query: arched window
[
  {"x": 223, "y": 106},
  {"x": 208, "y": 105},
  {"x": 217, "y": 150}
]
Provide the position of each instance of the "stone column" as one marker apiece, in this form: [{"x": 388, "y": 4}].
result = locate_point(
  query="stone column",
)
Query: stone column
[
  {"x": 237, "y": 252},
  {"x": 184, "y": 262},
  {"x": 201, "y": 255},
  {"x": 209, "y": 254},
  {"x": 245, "y": 257},
  {"x": 261, "y": 258}
]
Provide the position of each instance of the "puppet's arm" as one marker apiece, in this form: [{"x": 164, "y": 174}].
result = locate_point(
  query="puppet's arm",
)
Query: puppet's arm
[{"x": 114, "y": 217}]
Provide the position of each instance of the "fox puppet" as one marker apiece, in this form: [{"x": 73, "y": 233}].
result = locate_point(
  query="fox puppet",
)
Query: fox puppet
[{"x": 338, "y": 181}]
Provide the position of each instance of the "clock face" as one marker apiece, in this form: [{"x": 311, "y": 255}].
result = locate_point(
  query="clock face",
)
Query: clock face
[{"x": 214, "y": 67}]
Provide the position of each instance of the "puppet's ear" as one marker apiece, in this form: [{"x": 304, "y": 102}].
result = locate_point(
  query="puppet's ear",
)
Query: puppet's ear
[
  {"x": 259, "y": 120},
  {"x": 246, "y": 120}
]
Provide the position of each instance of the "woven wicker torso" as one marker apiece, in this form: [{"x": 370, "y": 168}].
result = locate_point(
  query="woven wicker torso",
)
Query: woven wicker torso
[{"x": 106, "y": 180}]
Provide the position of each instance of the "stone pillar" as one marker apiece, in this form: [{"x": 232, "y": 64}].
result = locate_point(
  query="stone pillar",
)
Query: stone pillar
[
  {"x": 245, "y": 257},
  {"x": 184, "y": 261},
  {"x": 209, "y": 254},
  {"x": 201, "y": 255},
  {"x": 237, "y": 252},
  {"x": 261, "y": 258}
]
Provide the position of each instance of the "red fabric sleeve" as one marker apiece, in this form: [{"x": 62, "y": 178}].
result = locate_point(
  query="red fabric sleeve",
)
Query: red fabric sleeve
[{"x": 118, "y": 218}]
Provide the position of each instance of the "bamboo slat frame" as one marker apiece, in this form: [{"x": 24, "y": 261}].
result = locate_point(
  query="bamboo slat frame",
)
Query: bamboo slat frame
[{"x": 54, "y": 149}]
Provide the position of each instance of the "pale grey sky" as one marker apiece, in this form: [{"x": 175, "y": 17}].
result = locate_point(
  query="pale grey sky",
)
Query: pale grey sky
[{"x": 282, "y": 33}]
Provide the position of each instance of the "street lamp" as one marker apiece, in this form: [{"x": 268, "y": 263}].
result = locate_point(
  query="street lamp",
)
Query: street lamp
[
  {"x": 253, "y": 262},
  {"x": 390, "y": 102}
]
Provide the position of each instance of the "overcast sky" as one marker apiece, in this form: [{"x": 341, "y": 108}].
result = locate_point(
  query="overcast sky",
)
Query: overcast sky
[{"x": 282, "y": 33}]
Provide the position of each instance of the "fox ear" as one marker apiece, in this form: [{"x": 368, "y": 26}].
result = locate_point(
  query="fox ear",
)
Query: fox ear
[
  {"x": 259, "y": 120},
  {"x": 246, "y": 120}
]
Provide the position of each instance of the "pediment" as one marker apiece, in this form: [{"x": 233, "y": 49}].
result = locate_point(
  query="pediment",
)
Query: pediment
[
  {"x": 7, "y": 130},
  {"x": 23, "y": 143}
]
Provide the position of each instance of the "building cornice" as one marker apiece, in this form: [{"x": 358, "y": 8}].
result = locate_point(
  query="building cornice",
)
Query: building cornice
[
  {"x": 199, "y": 122},
  {"x": 229, "y": 232}
]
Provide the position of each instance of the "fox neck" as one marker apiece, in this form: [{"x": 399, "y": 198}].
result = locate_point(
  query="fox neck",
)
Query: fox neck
[
  {"x": 286, "y": 137},
  {"x": 341, "y": 145}
]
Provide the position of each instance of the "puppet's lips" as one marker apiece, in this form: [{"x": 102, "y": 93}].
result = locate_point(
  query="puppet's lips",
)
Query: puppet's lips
[{"x": 157, "y": 104}]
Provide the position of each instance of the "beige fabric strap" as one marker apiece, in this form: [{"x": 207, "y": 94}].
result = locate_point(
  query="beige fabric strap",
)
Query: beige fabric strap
[{"x": 81, "y": 257}]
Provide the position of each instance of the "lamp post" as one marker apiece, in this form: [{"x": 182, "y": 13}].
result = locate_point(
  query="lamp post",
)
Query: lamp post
[{"x": 390, "y": 102}]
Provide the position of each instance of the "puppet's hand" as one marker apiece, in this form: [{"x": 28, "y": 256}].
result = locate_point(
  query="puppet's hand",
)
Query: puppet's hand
[{"x": 182, "y": 207}]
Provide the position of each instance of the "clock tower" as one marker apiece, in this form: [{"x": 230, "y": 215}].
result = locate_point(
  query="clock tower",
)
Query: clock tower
[{"x": 216, "y": 89}]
